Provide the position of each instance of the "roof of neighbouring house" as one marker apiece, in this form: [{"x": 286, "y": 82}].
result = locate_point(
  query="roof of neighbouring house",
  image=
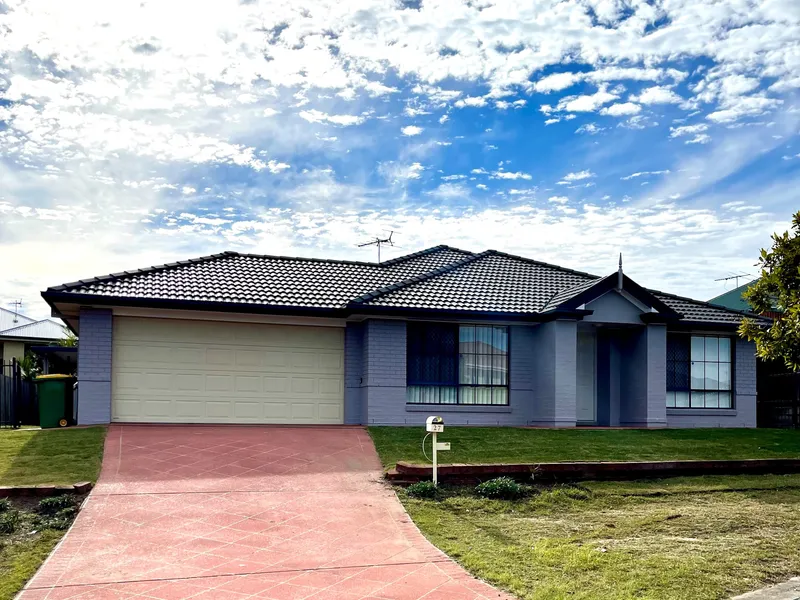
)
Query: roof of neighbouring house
[
  {"x": 9, "y": 319},
  {"x": 441, "y": 278},
  {"x": 43, "y": 330},
  {"x": 733, "y": 298}
]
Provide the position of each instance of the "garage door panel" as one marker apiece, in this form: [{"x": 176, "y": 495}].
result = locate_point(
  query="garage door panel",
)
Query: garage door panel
[{"x": 212, "y": 372}]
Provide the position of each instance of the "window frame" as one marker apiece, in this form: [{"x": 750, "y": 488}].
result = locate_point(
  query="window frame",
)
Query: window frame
[
  {"x": 458, "y": 387},
  {"x": 691, "y": 390}
]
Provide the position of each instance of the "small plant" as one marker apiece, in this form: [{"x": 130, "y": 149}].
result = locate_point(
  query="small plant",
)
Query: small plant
[
  {"x": 422, "y": 489},
  {"x": 9, "y": 521},
  {"x": 58, "y": 504},
  {"x": 5, "y": 505},
  {"x": 500, "y": 488},
  {"x": 59, "y": 522}
]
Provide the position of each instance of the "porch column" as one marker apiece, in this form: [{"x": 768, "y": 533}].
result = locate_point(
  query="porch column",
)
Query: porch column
[
  {"x": 555, "y": 374},
  {"x": 643, "y": 385}
]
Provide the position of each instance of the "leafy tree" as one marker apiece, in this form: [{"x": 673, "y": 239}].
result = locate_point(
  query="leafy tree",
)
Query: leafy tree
[
  {"x": 70, "y": 341},
  {"x": 778, "y": 288}
]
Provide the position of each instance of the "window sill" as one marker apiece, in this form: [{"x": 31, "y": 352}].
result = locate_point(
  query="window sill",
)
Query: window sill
[
  {"x": 699, "y": 412},
  {"x": 474, "y": 408}
]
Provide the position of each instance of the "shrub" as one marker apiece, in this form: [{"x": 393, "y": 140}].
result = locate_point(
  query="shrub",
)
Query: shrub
[
  {"x": 9, "y": 521},
  {"x": 5, "y": 505},
  {"x": 55, "y": 504},
  {"x": 422, "y": 489},
  {"x": 500, "y": 488}
]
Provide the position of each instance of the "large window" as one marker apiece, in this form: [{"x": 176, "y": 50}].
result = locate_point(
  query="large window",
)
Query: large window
[
  {"x": 699, "y": 371},
  {"x": 457, "y": 364}
]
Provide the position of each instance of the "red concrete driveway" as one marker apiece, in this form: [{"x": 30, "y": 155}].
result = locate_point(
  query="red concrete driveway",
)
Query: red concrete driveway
[{"x": 246, "y": 512}]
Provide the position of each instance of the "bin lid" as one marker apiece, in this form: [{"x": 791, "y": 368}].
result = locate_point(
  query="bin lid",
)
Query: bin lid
[{"x": 53, "y": 376}]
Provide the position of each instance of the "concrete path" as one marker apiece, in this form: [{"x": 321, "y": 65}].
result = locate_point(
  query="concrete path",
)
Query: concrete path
[
  {"x": 783, "y": 591},
  {"x": 246, "y": 512}
]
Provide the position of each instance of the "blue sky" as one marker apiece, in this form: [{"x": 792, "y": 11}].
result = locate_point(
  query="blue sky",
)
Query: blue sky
[{"x": 138, "y": 133}]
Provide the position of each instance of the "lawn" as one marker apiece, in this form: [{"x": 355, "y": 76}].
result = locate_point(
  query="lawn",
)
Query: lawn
[
  {"x": 60, "y": 456},
  {"x": 30, "y": 457},
  {"x": 700, "y": 538},
  {"x": 513, "y": 445}
]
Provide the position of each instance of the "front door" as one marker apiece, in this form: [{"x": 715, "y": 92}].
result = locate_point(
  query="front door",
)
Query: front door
[{"x": 586, "y": 377}]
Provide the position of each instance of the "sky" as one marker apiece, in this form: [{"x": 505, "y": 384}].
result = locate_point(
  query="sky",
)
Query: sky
[{"x": 138, "y": 133}]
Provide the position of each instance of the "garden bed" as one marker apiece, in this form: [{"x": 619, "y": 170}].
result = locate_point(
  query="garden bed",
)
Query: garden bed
[{"x": 29, "y": 529}]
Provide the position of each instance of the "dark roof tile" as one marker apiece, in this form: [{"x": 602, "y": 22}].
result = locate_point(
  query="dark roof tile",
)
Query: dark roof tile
[{"x": 441, "y": 277}]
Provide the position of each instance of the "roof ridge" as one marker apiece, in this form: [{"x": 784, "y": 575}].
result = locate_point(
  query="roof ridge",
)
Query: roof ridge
[
  {"x": 121, "y": 274},
  {"x": 431, "y": 250},
  {"x": 382, "y": 291},
  {"x": 546, "y": 264},
  {"x": 594, "y": 282}
]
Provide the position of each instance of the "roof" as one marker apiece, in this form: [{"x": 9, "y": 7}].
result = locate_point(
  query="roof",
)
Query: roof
[
  {"x": 441, "y": 278},
  {"x": 733, "y": 298},
  {"x": 44, "y": 330},
  {"x": 9, "y": 319}
]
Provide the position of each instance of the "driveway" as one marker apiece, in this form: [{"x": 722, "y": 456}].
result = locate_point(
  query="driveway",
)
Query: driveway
[{"x": 246, "y": 512}]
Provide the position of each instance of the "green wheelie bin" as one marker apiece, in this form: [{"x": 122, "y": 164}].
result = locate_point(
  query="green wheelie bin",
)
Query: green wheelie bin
[{"x": 52, "y": 392}]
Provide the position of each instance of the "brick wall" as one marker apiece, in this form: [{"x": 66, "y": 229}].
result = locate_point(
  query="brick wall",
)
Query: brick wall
[
  {"x": 94, "y": 367},
  {"x": 354, "y": 411}
]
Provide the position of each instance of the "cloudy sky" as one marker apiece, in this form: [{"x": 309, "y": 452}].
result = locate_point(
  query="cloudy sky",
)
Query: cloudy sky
[{"x": 137, "y": 133}]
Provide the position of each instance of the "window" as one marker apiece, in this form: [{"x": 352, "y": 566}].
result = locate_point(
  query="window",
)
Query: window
[
  {"x": 457, "y": 364},
  {"x": 699, "y": 371}
]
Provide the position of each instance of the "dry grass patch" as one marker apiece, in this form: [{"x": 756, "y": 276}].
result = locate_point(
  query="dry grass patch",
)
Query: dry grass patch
[{"x": 635, "y": 540}]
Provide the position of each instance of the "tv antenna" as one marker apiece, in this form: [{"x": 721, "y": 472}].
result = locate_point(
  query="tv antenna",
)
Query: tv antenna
[
  {"x": 736, "y": 277},
  {"x": 17, "y": 304},
  {"x": 377, "y": 242}
]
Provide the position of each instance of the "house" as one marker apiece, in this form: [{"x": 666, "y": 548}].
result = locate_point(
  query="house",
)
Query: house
[
  {"x": 478, "y": 338},
  {"x": 734, "y": 299},
  {"x": 18, "y": 333}
]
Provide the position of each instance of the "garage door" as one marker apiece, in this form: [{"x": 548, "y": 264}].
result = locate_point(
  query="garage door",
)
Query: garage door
[{"x": 177, "y": 371}]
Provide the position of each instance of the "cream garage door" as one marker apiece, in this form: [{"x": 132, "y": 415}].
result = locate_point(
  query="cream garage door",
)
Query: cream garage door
[{"x": 180, "y": 371}]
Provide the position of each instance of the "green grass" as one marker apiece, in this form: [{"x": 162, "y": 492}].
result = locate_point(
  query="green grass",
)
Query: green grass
[
  {"x": 31, "y": 457},
  {"x": 512, "y": 445},
  {"x": 704, "y": 538},
  {"x": 58, "y": 456},
  {"x": 20, "y": 560}
]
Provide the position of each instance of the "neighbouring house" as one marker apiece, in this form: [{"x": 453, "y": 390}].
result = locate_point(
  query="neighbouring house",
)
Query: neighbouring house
[
  {"x": 478, "y": 338},
  {"x": 18, "y": 333},
  {"x": 735, "y": 300}
]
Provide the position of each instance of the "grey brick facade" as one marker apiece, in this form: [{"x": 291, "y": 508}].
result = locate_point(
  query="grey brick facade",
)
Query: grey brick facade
[
  {"x": 94, "y": 367},
  {"x": 631, "y": 378}
]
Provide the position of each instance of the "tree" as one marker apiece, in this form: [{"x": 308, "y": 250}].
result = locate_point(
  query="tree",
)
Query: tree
[
  {"x": 70, "y": 341},
  {"x": 778, "y": 287}
]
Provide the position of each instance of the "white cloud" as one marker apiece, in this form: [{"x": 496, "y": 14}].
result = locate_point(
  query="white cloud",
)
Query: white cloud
[
  {"x": 443, "y": 119},
  {"x": 316, "y": 116},
  {"x": 590, "y": 128},
  {"x": 276, "y": 167},
  {"x": 622, "y": 109},
  {"x": 473, "y": 101},
  {"x": 700, "y": 138},
  {"x": 684, "y": 130},
  {"x": 510, "y": 175},
  {"x": 657, "y": 95},
  {"x": 644, "y": 174},
  {"x": 557, "y": 82},
  {"x": 395, "y": 172},
  {"x": 187, "y": 190},
  {"x": 411, "y": 130},
  {"x": 586, "y": 102},
  {"x": 575, "y": 176},
  {"x": 558, "y": 199}
]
